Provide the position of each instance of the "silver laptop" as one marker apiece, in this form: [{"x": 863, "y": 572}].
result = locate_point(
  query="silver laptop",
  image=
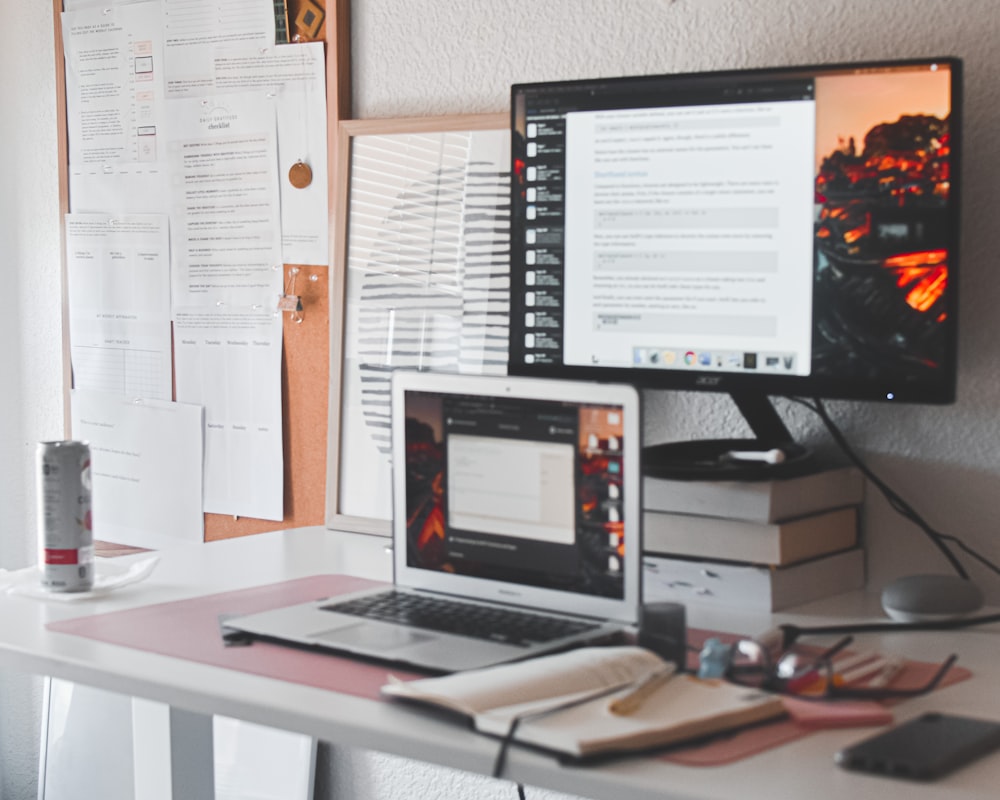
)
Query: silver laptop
[{"x": 516, "y": 518}]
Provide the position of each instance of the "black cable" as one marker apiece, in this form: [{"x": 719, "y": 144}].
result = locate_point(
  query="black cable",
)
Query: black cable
[
  {"x": 791, "y": 633},
  {"x": 970, "y": 552},
  {"x": 895, "y": 501},
  {"x": 520, "y": 791},
  {"x": 505, "y": 743}
]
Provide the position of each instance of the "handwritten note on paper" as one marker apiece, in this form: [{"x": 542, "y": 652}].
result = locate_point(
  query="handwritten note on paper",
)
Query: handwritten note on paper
[
  {"x": 123, "y": 189},
  {"x": 294, "y": 75},
  {"x": 114, "y": 83},
  {"x": 146, "y": 468},
  {"x": 230, "y": 362},
  {"x": 226, "y": 228},
  {"x": 194, "y": 30},
  {"x": 116, "y": 111},
  {"x": 118, "y": 271}
]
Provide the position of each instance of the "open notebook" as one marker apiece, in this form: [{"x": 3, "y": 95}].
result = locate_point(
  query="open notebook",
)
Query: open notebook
[
  {"x": 516, "y": 518},
  {"x": 593, "y": 700}
]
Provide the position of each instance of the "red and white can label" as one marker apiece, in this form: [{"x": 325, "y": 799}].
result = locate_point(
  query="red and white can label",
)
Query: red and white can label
[{"x": 65, "y": 525}]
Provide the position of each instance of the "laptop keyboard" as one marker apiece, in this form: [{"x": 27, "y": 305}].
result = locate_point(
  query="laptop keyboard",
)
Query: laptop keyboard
[{"x": 464, "y": 619}]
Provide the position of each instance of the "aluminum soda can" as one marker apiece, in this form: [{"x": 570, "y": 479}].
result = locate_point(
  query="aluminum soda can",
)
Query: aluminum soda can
[{"x": 65, "y": 526}]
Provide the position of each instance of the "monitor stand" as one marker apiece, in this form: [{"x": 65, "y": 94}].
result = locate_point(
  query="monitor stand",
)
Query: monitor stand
[{"x": 773, "y": 453}]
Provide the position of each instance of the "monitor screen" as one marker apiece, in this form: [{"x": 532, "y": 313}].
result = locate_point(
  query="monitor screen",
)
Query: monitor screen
[{"x": 789, "y": 231}]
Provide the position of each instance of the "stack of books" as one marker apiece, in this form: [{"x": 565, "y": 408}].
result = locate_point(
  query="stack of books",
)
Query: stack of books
[{"x": 758, "y": 545}]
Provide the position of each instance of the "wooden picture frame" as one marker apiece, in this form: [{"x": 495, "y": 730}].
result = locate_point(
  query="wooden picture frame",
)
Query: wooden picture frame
[{"x": 421, "y": 280}]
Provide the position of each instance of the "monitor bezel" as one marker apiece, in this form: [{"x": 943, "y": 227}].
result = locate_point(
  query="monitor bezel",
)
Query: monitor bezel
[{"x": 940, "y": 391}]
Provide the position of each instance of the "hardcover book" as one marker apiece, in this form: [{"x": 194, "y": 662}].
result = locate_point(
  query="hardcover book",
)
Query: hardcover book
[
  {"x": 776, "y": 543},
  {"x": 760, "y": 501}
]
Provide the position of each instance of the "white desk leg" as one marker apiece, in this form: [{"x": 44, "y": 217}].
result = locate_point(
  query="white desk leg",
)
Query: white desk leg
[{"x": 172, "y": 751}]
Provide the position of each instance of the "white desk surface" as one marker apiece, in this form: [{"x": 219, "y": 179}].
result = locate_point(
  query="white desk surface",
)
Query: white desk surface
[{"x": 803, "y": 769}]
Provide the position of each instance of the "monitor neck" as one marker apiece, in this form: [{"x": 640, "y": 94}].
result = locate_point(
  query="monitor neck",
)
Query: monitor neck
[
  {"x": 719, "y": 459},
  {"x": 762, "y": 417}
]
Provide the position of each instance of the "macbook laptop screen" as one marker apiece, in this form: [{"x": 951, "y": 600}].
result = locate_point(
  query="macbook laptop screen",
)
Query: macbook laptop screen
[
  {"x": 516, "y": 490},
  {"x": 516, "y": 511}
]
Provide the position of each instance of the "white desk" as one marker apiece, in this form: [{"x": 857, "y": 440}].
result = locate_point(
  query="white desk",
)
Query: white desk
[{"x": 802, "y": 769}]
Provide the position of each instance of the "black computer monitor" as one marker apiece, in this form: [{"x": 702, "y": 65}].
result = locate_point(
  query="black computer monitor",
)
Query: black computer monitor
[{"x": 788, "y": 231}]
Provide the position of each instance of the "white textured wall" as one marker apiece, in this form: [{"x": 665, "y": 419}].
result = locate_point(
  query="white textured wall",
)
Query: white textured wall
[
  {"x": 364, "y": 775},
  {"x": 30, "y": 332},
  {"x": 30, "y": 319},
  {"x": 422, "y": 57},
  {"x": 419, "y": 57}
]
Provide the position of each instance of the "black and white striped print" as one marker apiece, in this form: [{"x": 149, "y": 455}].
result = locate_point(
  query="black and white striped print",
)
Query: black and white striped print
[{"x": 428, "y": 260}]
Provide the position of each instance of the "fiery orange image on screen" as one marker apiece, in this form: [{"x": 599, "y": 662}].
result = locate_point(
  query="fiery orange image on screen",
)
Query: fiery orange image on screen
[
  {"x": 923, "y": 276},
  {"x": 882, "y": 187},
  {"x": 433, "y": 523},
  {"x": 425, "y": 517}
]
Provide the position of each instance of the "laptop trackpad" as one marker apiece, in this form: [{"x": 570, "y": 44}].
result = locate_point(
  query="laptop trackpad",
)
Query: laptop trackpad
[{"x": 375, "y": 637}]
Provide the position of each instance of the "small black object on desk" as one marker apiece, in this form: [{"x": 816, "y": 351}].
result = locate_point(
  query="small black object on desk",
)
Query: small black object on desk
[{"x": 663, "y": 629}]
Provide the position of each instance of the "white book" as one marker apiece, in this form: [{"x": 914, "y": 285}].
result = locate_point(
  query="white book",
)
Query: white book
[
  {"x": 578, "y": 688},
  {"x": 759, "y": 501},
  {"x": 751, "y": 587}
]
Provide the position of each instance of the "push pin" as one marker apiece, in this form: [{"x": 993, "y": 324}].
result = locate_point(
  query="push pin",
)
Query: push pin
[{"x": 288, "y": 300}]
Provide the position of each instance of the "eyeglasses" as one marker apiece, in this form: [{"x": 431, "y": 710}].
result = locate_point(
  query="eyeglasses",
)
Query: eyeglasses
[
  {"x": 814, "y": 678},
  {"x": 828, "y": 686}
]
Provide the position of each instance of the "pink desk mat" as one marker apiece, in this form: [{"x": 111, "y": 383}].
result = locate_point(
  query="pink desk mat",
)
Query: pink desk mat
[
  {"x": 189, "y": 629},
  {"x": 805, "y": 717}
]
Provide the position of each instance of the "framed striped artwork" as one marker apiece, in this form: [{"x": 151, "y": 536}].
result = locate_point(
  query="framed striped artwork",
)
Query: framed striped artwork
[{"x": 421, "y": 281}]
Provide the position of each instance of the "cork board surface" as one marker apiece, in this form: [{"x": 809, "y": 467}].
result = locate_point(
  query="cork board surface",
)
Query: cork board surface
[
  {"x": 305, "y": 364},
  {"x": 305, "y": 373}
]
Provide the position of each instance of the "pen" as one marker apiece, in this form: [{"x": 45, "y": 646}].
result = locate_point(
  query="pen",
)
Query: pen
[
  {"x": 633, "y": 699},
  {"x": 892, "y": 668},
  {"x": 879, "y": 665},
  {"x": 851, "y": 675},
  {"x": 844, "y": 672},
  {"x": 812, "y": 677}
]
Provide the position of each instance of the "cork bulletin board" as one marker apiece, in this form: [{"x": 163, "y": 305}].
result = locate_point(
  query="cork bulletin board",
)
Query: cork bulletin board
[{"x": 306, "y": 335}]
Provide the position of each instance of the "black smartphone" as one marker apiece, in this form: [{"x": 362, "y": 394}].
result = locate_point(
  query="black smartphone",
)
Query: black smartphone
[{"x": 924, "y": 748}]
